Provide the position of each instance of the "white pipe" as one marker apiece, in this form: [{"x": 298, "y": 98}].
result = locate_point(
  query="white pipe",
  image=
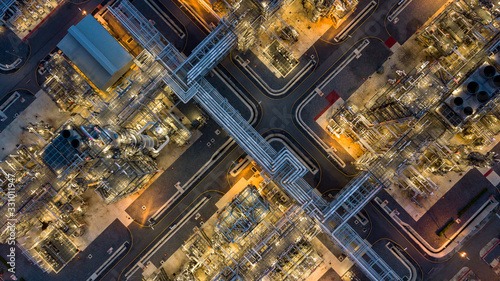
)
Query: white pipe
[
  {"x": 147, "y": 125},
  {"x": 162, "y": 146}
]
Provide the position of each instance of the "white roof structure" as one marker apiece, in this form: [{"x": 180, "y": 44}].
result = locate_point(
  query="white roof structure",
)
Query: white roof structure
[{"x": 95, "y": 52}]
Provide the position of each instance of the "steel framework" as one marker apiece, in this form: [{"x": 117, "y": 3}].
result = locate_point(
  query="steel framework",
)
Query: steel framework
[
  {"x": 4, "y": 5},
  {"x": 242, "y": 214},
  {"x": 186, "y": 80}
]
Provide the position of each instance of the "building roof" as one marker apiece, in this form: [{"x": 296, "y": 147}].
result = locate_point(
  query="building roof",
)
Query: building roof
[
  {"x": 95, "y": 52},
  {"x": 59, "y": 154}
]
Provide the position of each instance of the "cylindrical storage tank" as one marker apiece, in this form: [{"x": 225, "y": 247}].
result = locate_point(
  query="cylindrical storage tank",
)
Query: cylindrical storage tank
[
  {"x": 66, "y": 133},
  {"x": 69, "y": 134},
  {"x": 468, "y": 111},
  {"x": 72, "y": 137},
  {"x": 495, "y": 82},
  {"x": 75, "y": 142},
  {"x": 458, "y": 102},
  {"x": 482, "y": 96},
  {"x": 472, "y": 87},
  {"x": 496, "y": 58},
  {"x": 487, "y": 72}
]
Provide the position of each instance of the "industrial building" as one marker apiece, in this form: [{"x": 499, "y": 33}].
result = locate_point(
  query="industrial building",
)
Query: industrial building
[
  {"x": 184, "y": 76},
  {"x": 22, "y": 17},
  {"x": 111, "y": 142},
  {"x": 109, "y": 146},
  {"x": 95, "y": 52},
  {"x": 260, "y": 235},
  {"x": 436, "y": 118}
]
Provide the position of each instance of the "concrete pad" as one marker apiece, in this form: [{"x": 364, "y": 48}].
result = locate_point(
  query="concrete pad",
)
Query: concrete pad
[
  {"x": 175, "y": 262},
  {"x": 237, "y": 188},
  {"x": 395, "y": 47},
  {"x": 352, "y": 148},
  {"x": 329, "y": 261},
  {"x": 330, "y": 275},
  {"x": 493, "y": 177},
  {"x": 209, "y": 225},
  {"x": 99, "y": 216},
  {"x": 45, "y": 109},
  {"x": 309, "y": 32},
  {"x": 484, "y": 170},
  {"x": 445, "y": 183},
  {"x": 465, "y": 274},
  {"x": 150, "y": 269},
  {"x": 404, "y": 57},
  {"x": 160, "y": 191},
  {"x": 172, "y": 152},
  {"x": 488, "y": 247}
]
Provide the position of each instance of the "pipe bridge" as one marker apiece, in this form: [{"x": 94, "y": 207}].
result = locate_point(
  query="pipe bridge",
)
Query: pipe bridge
[{"x": 184, "y": 75}]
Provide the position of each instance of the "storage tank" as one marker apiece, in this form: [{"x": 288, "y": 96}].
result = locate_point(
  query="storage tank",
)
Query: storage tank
[
  {"x": 72, "y": 136},
  {"x": 495, "y": 82},
  {"x": 487, "y": 72},
  {"x": 458, "y": 102},
  {"x": 472, "y": 87},
  {"x": 467, "y": 111},
  {"x": 482, "y": 96}
]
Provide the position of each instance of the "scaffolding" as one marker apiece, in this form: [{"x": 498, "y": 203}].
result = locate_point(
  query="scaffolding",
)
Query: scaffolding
[
  {"x": 277, "y": 234},
  {"x": 43, "y": 203},
  {"x": 362, "y": 254},
  {"x": 67, "y": 86},
  {"x": 457, "y": 33},
  {"x": 244, "y": 213},
  {"x": 56, "y": 249},
  {"x": 412, "y": 96},
  {"x": 4, "y": 6},
  {"x": 23, "y": 16},
  {"x": 285, "y": 168},
  {"x": 406, "y": 129},
  {"x": 297, "y": 261}
]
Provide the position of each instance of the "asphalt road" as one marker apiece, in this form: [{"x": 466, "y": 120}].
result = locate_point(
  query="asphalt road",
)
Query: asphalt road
[
  {"x": 429, "y": 268},
  {"x": 42, "y": 41}
]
